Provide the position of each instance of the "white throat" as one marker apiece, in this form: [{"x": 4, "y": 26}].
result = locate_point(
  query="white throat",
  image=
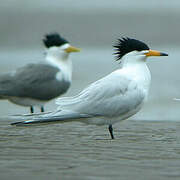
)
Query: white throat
[
  {"x": 60, "y": 59},
  {"x": 133, "y": 58},
  {"x": 135, "y": 66}
]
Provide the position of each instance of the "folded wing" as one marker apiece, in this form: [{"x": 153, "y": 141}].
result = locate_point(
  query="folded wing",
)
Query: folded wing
[{"x": 109, "y": 96}]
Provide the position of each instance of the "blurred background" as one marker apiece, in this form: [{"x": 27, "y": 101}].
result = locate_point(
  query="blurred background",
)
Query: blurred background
[{"x": 94, "y": 26}]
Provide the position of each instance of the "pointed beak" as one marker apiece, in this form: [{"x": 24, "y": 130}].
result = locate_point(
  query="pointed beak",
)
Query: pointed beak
[
  {"x": 155, "y": 53},
  {"x": 72, "y": 49}
]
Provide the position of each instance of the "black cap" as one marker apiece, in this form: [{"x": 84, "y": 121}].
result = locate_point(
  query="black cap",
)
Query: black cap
[
  {"x": 54, "y": 39},
  {"x": 126, "y": 45}
]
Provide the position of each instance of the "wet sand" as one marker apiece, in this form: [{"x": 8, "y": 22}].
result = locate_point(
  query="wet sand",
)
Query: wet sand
[{"x": 142, "y": 150}]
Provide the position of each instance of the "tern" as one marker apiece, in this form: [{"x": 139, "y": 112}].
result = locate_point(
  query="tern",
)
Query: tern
[
  {"x": 115, "y": 97},
  {"x": 36, "y": 83}
]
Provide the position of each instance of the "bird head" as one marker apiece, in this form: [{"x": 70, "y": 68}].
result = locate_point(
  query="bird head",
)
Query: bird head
[
  {"x": 58, "y": 46},
  {"x": 135, "y": 49}
]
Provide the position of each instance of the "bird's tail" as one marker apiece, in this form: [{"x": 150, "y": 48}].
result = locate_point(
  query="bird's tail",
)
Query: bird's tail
[{"x": 51, "y": 117}]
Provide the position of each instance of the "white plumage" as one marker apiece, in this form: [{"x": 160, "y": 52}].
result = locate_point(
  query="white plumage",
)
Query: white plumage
[
  {"x": 116, "y": 96},
  {"x": 113, "y": 98}
]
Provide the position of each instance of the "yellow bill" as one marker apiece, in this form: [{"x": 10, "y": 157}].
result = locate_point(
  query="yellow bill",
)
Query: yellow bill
[
  {"x": 155, "y": 53},
  {"x": 72, "y": 49}
]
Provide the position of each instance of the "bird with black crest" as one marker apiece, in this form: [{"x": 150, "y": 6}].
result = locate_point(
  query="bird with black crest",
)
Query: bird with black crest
[
  {"x": 36, "y": 83},
  {"x": 111, "y": 99}
]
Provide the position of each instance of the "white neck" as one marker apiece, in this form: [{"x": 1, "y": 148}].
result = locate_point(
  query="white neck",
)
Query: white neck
[
  {"x": 133, "y": 58},
  {"x": 135, "y": 66},
  {"x": 61, "y": 60}
]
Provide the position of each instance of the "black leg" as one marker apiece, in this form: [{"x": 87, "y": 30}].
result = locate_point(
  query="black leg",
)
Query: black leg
[
  {"x": 111, "y": 131},
  {"x": 42, "y": 109},
  {"x": 32, "y": 109}
]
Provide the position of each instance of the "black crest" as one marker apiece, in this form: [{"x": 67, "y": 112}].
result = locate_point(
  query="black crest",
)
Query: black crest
[
  {"x": 126, "y": 45},
  {"x": 54, "y": 39}
]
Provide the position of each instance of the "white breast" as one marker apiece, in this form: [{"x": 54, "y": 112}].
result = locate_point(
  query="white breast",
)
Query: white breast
[{"x": 65, "y": 67}]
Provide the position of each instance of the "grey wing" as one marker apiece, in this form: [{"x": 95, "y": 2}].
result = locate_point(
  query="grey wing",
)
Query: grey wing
[
  {"x": 6, "y": 84},
  {"x": 109, "y": 96},
  {"x": 36, "y": 81}
]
